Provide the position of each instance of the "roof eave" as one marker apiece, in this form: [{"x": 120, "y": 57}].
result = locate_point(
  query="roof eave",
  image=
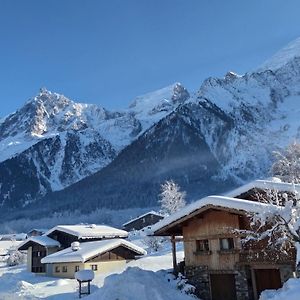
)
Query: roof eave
[{"x": 167, "y": 229}]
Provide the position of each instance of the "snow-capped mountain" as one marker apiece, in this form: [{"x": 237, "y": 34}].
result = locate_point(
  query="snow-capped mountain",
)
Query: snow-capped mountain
[
  {"x": 222, "y": 136},
  {"x": 54, "y": 142}
]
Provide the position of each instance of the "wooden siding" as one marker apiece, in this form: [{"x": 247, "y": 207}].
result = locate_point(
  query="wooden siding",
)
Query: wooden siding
[
  {"x": 63, "y": 238},
  {"x": 212, "y": 225},
  {"x": 37, "y": 253},
  {"x": 119, "y": 253}
]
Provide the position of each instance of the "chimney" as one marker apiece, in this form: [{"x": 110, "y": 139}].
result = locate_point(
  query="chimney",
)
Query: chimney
[{"x": 75, "y": 246}]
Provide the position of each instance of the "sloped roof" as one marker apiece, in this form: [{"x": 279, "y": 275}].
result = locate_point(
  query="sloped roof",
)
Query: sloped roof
[
  {"x": 38, "y": 229},
  {"x": 152, "y": 212},
  {"x": 90, "y": 231},
  {"x": 88, "y": 250},
  {"x": 41, "y": 240},
  {"x": 217, "y": 202},
  {"x": 273, "y": 184}
]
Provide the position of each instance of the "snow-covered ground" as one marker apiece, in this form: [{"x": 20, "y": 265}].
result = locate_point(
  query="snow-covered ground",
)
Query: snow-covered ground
[
  {"x": 289, "y": 291},
  {"x": 147, "y": 278},
  {"x": 140, "y": 284},
  {"x": 148, "y": 273}
]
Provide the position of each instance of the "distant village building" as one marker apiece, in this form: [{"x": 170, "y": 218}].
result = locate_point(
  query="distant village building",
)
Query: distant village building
[
  {"x": 143, "y": 221},
  {"x": 99, "y": 256},
  {"x": 61, "y": 237},
  {"x": 13, "y": 237},
  {"x": 216, "y": 262},
  {"x": 36, "y": 232}
]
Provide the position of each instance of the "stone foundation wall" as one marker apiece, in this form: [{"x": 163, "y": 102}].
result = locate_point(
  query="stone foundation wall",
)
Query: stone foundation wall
[
  {"x": 199, "y": 276},
  {"x": 241, "y": 285}
]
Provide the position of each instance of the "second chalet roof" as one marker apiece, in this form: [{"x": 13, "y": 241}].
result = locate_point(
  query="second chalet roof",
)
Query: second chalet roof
[
  {"x": 89, "y": 250},
  {"x": 90, "y": 231},
  {"x": 266, "y": 184},
  {"x": 42, "y": 240},
  {"x": 152, "y": 212},
  {"x": 217, "y": 202}
]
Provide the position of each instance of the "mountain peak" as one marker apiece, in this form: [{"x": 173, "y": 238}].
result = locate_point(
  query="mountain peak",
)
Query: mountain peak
[
  {"x": 161, "y": 99},
  {"x": 282, "y": 57}
]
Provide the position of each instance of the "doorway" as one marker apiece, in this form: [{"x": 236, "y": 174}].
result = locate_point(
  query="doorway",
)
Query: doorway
[
  {"x": 222, "y": 286},
  {"x": 267, "y": 279}
]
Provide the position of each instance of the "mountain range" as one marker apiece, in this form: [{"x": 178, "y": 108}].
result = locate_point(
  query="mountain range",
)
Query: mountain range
[{"x": 58, "y": 155}]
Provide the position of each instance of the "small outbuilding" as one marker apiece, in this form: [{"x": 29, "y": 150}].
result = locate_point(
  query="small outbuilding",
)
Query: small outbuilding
[
  {"x": 145, "y": 220},
  {"x": 38, "y": 247},
  {"x": 99, "y": 256}
]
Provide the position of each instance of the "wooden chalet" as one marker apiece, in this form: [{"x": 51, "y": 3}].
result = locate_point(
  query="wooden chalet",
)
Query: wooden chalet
[
  {"x": 99, "y": 256},
  {"x": 145, "y": 220},
  {"x": 61, "y": 237},
  {"x": 216, "y": 262}
]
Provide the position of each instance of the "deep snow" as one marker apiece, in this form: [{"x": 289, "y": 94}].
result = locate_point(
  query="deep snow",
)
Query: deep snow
[{"x": 18, "y": 283}]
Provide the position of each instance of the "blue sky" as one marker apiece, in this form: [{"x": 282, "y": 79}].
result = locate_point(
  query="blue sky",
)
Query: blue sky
[{"x": 109, "y": 51}]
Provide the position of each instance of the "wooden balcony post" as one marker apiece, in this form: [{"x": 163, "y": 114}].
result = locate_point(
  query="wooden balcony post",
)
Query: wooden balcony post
[{"x": 173, "y": 241}]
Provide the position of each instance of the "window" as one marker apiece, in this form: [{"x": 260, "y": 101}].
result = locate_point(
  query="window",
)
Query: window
[
  {"x": 94, "y": 267},
  {"x": 57, "y": 269},
  {"x": 76, "y": 268},
  {"x": 64, "y": 269},
  {"x": 226, "y": 244},
  {"x": 202, "y": 245}
]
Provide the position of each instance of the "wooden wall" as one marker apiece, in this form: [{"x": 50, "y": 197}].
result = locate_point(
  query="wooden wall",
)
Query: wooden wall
[{"x": 212, "y": 225}]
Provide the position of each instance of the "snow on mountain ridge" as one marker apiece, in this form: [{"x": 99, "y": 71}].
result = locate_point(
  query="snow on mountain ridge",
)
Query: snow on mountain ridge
[
  {"x": 64, "y": 141},
  {"x": 282, "y": 57}
]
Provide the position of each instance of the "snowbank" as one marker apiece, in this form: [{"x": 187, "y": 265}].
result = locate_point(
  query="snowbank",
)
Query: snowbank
[
  {"x": 140, "y": 285},
  {"x": 289, "y": 291}
]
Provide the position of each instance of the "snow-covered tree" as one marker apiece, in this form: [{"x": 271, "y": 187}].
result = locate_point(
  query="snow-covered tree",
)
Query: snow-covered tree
[
  {"x": 153, "y": 243},
  {"x": 279, "y": 222},
  {"x": 15, "y": 257},
  {"x": 171, "y": 198},
  {"x": 287, "y": 164}
]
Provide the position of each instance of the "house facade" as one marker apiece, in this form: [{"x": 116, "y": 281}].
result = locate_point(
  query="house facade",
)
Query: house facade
[
  {"x": 99, "y": 256},
  {"x": 216, "y": 261}
]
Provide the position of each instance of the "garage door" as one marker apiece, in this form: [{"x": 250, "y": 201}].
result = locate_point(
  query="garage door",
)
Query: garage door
[
  {"x": 267, "y": 279},
  {"x": 222, "y": 287}
]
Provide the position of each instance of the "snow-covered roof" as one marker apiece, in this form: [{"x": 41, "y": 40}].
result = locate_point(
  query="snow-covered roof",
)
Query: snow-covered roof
[
  {"x": 13, "y": 236},
  {"x": 273, "y": 184},
  {"x": 210, "y": 202},
  {"x": 88, "y": 250},
  {"x": 42, "y": 240},
  {"x": 89, "y": 231},
  {"x": 84, "y": 275},
  {"x": 152, "y": 212},
  {"x": 38, "y": 229}
]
